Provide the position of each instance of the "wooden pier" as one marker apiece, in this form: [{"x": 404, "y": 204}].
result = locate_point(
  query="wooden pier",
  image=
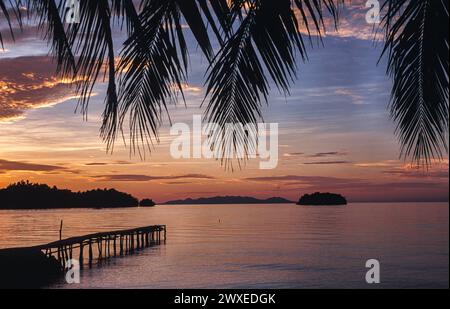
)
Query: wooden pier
[
  {"x": 103, "y": 246},
  {"x": 38, "y": 266}
]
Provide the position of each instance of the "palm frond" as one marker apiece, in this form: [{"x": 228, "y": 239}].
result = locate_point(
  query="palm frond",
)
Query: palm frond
[
  {"x": 191, "y": 13},
  {"x": 92, "y": 42},
  {"x": 217, "y": 12},
  {"x": 4, "y": 10},
  {"x": 267, "y": 39},
  {"x": 124, "y": 11},
  {"x": 417, "y": 51},
  {"x": 48, "y": 14},
  {"x": 150, "y": 67},
  {"x": 260, "y": 41},
  {"x": 154, "y": 63}
]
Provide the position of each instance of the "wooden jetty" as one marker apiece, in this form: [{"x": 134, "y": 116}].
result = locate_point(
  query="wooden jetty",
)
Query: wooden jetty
[
  {"x": 101, "y": 246},
  {"x": 104, "y": 245},
  {"x": 38, "y": 266}
]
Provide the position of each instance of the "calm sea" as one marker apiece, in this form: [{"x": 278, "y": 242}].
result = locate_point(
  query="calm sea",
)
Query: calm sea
[{"x": 258, "y": 246}]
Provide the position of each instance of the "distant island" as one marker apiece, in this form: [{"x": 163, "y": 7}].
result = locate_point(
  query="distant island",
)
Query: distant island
[
  {"x": 147, "y": 203},
  {"x": 324, "y": 199},
  {"x": 26, "y": 195},
  {"x": 229, "y": 200}
]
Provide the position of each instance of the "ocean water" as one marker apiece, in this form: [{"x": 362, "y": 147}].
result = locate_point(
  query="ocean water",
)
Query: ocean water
[{"x": 257, "y": 246}]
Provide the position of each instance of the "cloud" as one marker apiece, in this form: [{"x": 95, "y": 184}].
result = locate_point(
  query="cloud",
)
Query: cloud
[
  {"x": 386, "y": 163},
  {"x": 418, "y": 173},
  {"x": 21, "y": 34},
  {"x": 96, "y": 164},
  {"x": 327, "y": 162},
  {"x": 105, "y": 164},
  {"x": 177, "y": 183},
  {"x": 327, "y": 154},
  {"x": 317, "y": 155},
  {"x": 352, "y": 22},
  {"x": 354, "y": 97},
  {"x": 22, "y": 166},
  {"x": 146, "y": 178},
  {"x": 322, "y": 182},
  {"x": 120, "y": 162},
  {"x": 187, "y": 88},
  {"x": 6, "y": 166},
  {"x": 293, "y": 154},
  {"x": 312, "y": 180},
  {"x": 30, "y": 83}
]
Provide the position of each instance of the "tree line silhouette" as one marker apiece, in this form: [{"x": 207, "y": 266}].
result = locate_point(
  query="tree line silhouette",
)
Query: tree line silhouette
[
  {"x": 319, "y": 198},
  {"x": 26, "y": 195}
]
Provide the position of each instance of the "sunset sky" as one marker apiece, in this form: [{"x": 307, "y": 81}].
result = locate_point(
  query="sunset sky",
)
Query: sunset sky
[{"x": 335, "y": 130}]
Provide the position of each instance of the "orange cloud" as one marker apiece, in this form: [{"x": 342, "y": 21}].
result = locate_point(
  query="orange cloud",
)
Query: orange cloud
[
  {"x": 6, "y": 166},
  {"x": 145, "y": 178},
  {"x": 29, "y": 83}
]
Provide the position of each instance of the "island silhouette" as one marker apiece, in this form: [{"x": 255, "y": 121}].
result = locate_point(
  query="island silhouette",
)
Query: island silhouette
[
  {"x": 147, "y": 203},
  {"x": 229, "y": 200},
  {"x": 322, "y": 199},
  {"x": 26, "y": 195}
]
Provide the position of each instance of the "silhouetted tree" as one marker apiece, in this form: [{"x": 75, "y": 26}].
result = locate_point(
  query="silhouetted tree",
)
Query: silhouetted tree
[
  {"x": 322, "y": 199},
  {"x": 147, "y": 203},
  {"x": 26, "y": 195}
]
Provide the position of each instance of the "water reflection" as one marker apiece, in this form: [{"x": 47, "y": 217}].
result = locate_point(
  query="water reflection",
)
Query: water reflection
[{"x": 258, "y": 246}]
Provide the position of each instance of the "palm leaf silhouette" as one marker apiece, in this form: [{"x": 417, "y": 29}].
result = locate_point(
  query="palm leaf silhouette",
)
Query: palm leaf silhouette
[
  {"x": 266, "y": 40},
  {"x": 93, "y": 43},
  {"x": 50, "y": 23},
  {"x": 417, "y": 51},
  {"x": 259, "y": 41},
  {"x": 47, "y": 13},
  {"x": 153, "y": 65},
  {"x": 5, "y": 11}
]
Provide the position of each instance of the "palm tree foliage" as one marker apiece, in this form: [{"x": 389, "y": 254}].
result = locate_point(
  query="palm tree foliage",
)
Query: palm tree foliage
[
  {"x": 417, "y": 50},
  {"x": 259, "y": 43}
]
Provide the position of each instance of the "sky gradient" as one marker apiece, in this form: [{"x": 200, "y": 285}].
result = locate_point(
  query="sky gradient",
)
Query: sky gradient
[{"x": 335, "y": 130}]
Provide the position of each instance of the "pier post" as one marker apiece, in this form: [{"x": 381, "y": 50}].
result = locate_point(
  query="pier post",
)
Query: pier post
[
  {"x": 108, "y": 243},
  {"x": 114, "y": 244},
  {"x": 90, "y": 253},
  {"x": 64, "y": 256},
  {"x": 100, "y": 248},
  {"x": 81, "y": 258}
]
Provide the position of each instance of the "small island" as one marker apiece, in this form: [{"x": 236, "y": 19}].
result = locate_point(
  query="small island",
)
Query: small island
[
  {"x": 147, "y": 203},
  {"x": 224, "y": 200},
  {"x": 322, "y": 199}
]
